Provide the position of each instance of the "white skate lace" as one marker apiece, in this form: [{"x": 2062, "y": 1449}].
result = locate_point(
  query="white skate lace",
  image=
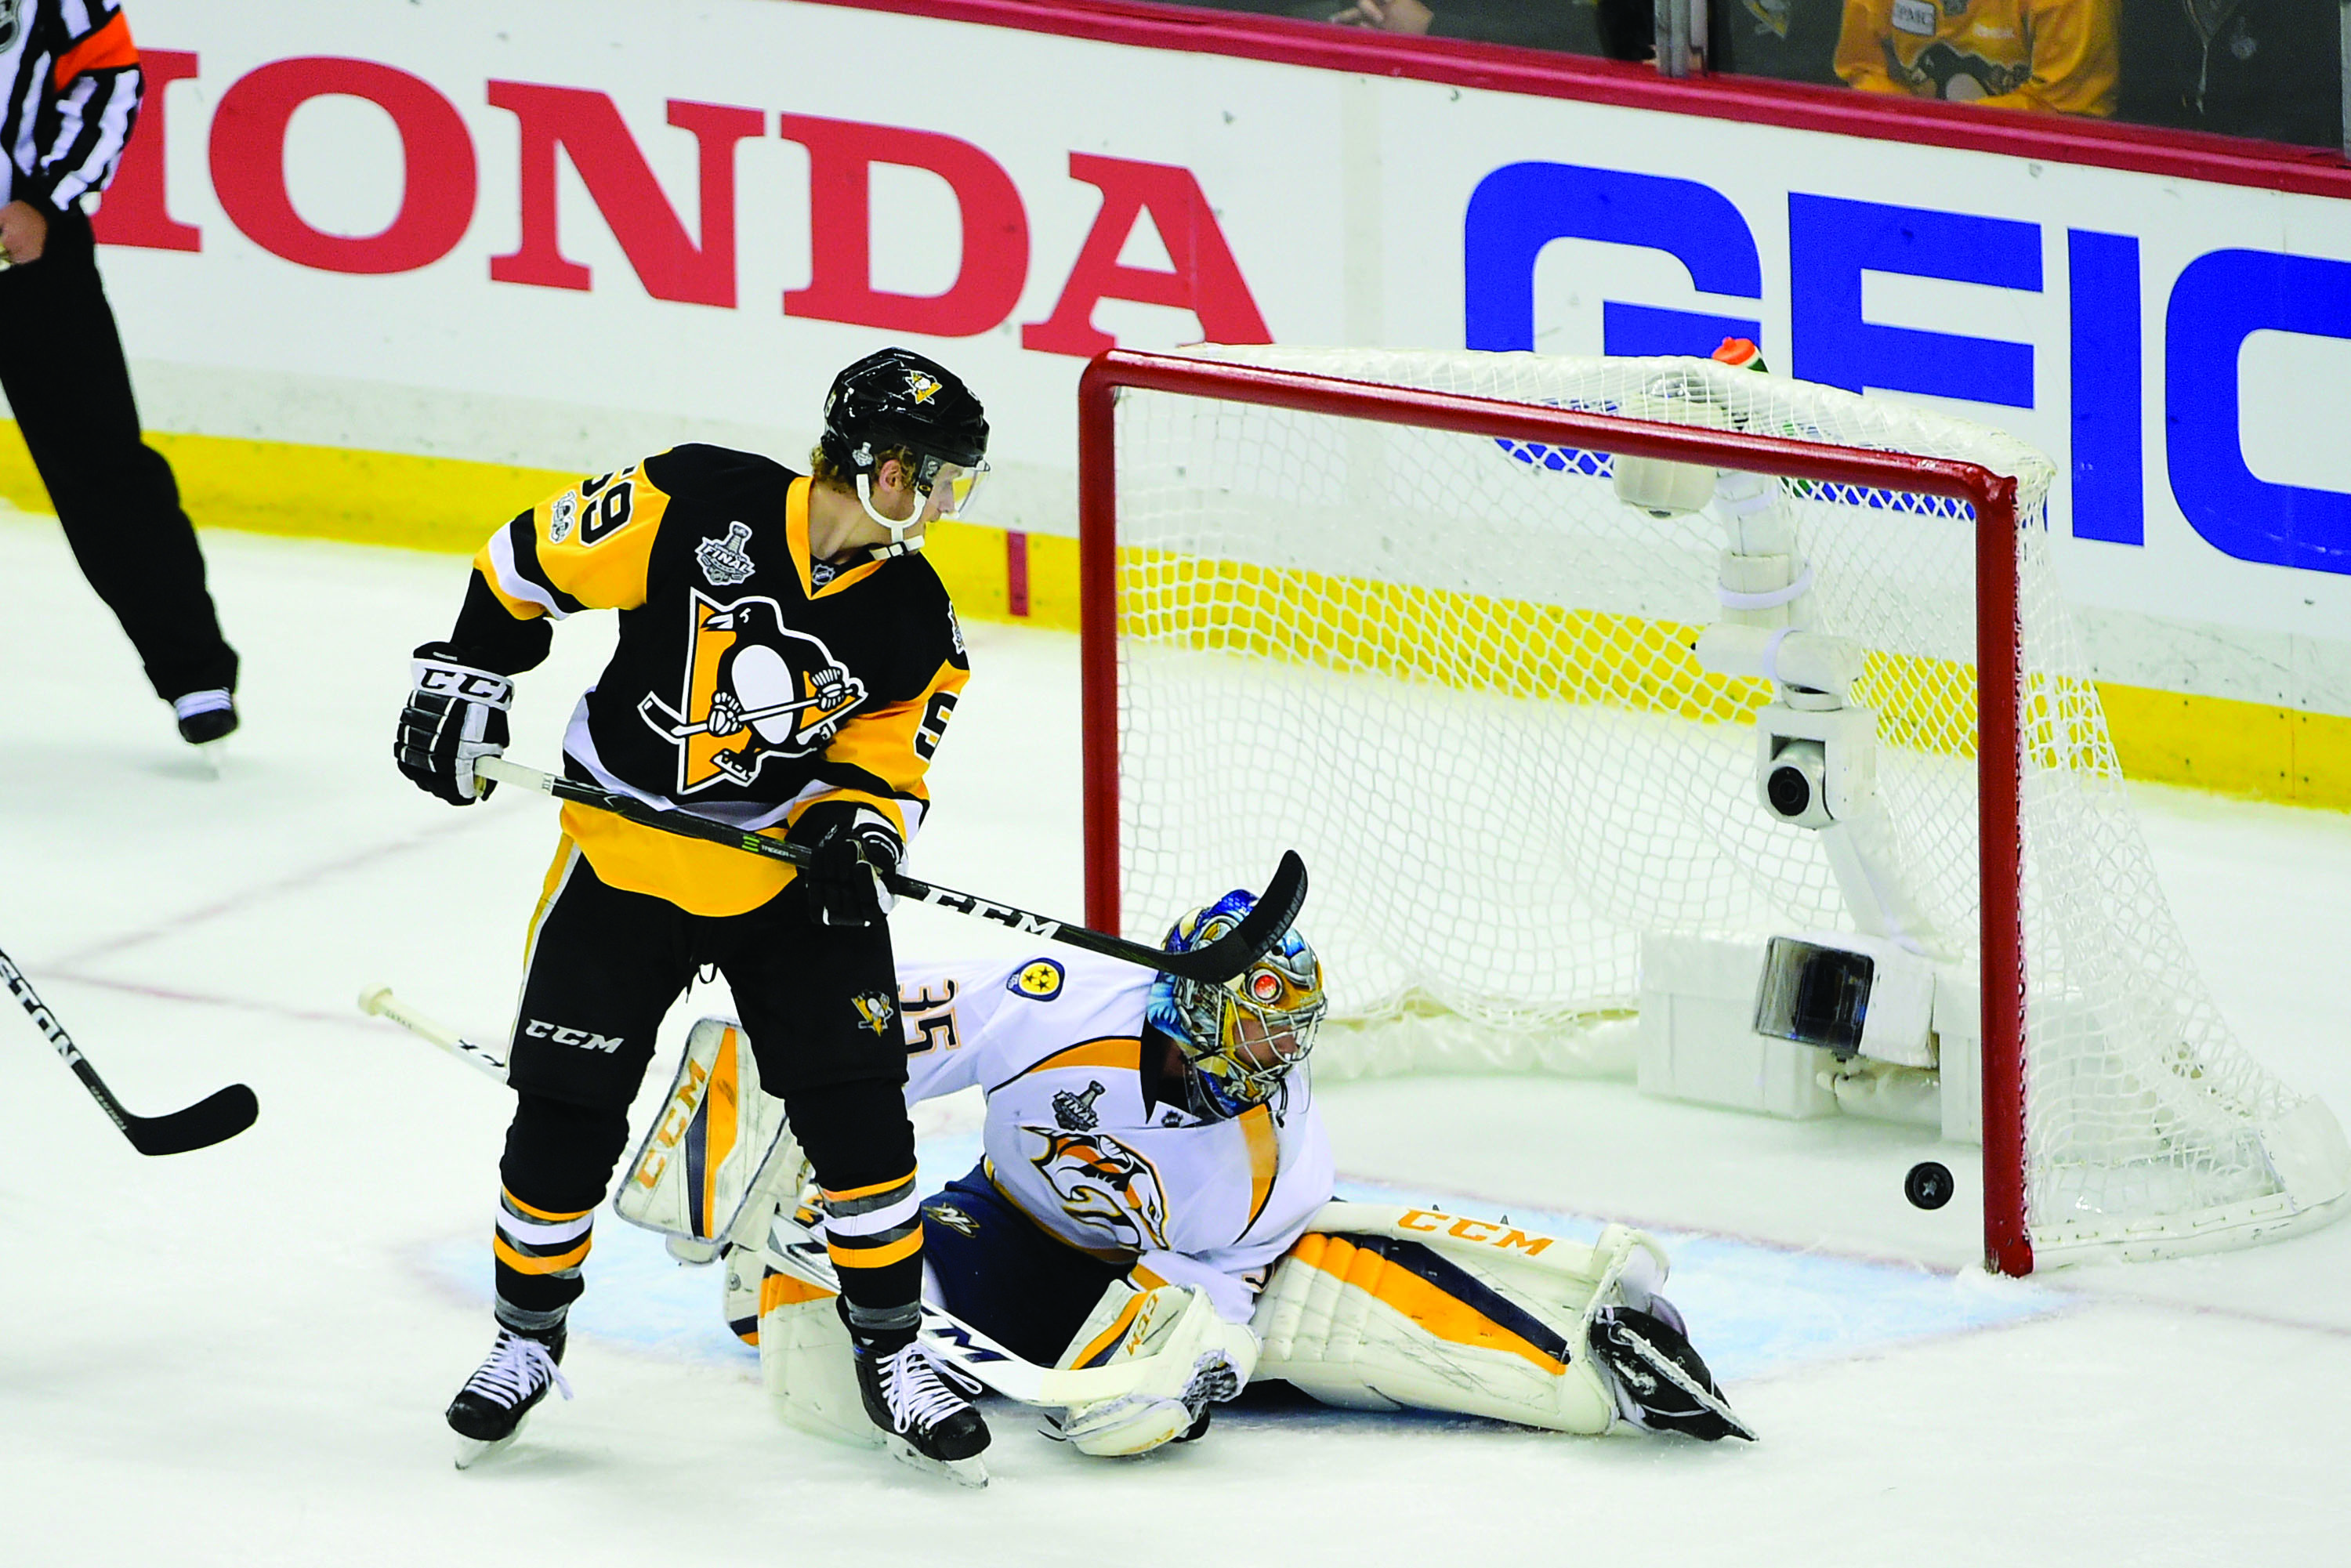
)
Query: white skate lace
[
  {"x": 517, "y": 1366},
  {"x": 920, "y": 1390}
]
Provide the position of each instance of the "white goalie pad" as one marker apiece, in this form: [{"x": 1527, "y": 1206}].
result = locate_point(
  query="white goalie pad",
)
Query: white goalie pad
[
  {"x": 1187, "y": 1356},
  {"x": 1380, "y": 1308},
  {"x": 718, "y": 1139}
]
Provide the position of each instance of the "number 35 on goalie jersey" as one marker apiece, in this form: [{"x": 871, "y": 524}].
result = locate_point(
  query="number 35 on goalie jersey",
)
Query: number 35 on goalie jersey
[{"x": 749, "y": 680}]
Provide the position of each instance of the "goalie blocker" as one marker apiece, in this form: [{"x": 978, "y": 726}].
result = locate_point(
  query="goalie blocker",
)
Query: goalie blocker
[{"x": 1375, "y": 1308}]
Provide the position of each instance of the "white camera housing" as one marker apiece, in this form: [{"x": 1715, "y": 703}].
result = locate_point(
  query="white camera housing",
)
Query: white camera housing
[{"x": 1814, "y": 769}]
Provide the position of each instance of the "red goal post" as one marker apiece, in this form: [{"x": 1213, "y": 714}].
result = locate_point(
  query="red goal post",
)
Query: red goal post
[{"x": 2007, "y": 1245}]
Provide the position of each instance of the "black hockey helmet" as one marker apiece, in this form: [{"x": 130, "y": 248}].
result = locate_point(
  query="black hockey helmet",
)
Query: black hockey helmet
[{"x": 898, "y": 398}]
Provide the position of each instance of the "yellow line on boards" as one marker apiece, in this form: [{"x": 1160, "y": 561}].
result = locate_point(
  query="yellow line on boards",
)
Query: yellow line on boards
[{"x": 2230, "y": 747}]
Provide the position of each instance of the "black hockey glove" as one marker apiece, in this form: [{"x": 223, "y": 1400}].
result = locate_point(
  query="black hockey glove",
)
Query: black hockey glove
[
  {"x": 850, "y": 847},
  {"x": 456, "y": 714}
]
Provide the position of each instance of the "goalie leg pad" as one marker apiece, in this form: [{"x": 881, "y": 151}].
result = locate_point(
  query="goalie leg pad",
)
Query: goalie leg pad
[
  {"x": 1379, "y": 1308},
  {"x": 718, "y": 1138},
  {"x": 804, "y": 1356},
  {"x": 1198, "y": 1360}
]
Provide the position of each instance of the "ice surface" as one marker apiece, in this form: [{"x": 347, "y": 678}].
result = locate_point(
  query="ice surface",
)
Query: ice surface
[{"x": 241, "y": 1356}]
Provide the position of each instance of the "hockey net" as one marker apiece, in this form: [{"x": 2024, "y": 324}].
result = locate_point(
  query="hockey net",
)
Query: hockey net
[{"x": 1456, "y": 672}]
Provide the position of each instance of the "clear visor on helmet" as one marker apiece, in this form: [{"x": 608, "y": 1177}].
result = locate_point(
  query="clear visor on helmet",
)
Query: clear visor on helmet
[{"x": 951, "y": 483}]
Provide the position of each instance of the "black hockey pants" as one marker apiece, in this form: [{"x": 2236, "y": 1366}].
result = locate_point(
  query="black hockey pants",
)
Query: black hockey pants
[
  {"x": 604, "y": 965},
  {"x": 61, "y": 366}
]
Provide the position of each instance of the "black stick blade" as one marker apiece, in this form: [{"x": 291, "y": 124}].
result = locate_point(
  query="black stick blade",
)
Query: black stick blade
[
  {"x": 1276, "y": 912},
  {"x": 214, "y": 1119}
]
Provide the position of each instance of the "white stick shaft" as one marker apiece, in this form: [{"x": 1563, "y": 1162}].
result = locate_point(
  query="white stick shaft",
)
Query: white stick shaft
[{"x": 379, "y": 1002}]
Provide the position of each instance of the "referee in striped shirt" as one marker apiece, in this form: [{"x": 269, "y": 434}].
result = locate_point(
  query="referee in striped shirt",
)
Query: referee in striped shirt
[{"x": 72, "y": 82}]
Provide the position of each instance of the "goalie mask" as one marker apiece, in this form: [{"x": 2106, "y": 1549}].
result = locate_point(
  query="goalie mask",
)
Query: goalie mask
[
  {"x": 896, "y": 400},
  {"x": 1240, "y": 1037}
]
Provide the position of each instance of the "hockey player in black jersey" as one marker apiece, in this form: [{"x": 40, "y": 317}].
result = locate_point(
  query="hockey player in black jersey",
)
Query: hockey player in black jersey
[{"x": 786, "y": 664}]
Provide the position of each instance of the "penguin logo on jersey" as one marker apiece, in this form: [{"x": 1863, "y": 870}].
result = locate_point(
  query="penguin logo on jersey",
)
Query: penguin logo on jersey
[
  {"x": 1104, "y": 1186},
  {"x": 754, "y": 689},
  {"x": 874, "y": 1007}
]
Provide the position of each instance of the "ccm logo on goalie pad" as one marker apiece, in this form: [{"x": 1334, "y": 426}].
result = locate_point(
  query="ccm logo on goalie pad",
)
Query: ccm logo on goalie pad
[
  {"x": 1503, "y": 1238},
  {"x": 539, "y": 1029}
]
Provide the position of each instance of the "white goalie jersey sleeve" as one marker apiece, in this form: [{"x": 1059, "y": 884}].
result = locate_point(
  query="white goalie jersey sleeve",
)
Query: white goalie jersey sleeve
[{"x": 1056, "y": 1043}]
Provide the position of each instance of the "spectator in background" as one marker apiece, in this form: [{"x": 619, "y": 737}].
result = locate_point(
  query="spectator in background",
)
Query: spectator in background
[
  {"x": 1565, "y": 25},
  {"x": 1791, "y": 40},
  {"x": 2248, "y": 67},
  {"x": 2049, "y": 54},
  {"x": 69, "y": 89}
]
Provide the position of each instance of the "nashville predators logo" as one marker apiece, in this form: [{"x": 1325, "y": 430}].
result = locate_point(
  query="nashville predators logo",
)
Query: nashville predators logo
[
  {"x": 1040, "y": 980},
  {"x": 1104, "y": 1186},
  {"x": 874, "y": 1009},
  {"x": 755, "y": 689}
]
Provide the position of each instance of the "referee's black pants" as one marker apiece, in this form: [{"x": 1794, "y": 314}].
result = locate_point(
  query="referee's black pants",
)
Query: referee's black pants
[{"x": 61, "y": 367}]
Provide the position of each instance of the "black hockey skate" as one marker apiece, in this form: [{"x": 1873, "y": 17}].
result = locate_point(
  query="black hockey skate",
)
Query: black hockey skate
[
  {"x": 1661, "y": 1382},
  {"x": 924, "y": 1409},
  {"x": 489, "y": 1410}
]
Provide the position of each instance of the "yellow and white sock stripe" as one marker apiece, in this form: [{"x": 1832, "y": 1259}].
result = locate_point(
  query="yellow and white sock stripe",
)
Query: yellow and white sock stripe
[
  {"x": 545, "y": 1242},
  {"x": 873, "y": 1227}
]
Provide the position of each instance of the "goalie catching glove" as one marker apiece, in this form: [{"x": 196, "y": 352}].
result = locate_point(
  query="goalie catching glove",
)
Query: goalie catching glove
[
  {"x": 850, "y": 847},
  {"x": 456, "y": 714},
  {"x": 1198, "y": 1361}
]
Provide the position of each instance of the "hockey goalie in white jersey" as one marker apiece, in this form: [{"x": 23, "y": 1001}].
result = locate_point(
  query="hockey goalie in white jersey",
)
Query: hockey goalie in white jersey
[{"x": 1151, "y": 1225}]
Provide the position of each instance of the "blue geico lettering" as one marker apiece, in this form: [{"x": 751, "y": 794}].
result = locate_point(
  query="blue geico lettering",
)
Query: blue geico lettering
[
  {"x": 2220, "y": 300},
  {"x": 2217, "y": 303},
  {"x": 1517, "y": 211}
]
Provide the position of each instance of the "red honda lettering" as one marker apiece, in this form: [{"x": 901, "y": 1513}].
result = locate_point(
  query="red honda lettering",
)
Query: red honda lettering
[
  {"x": 1206, "y": 280},
  {"x": 248, "y": 159},
  {"x": 621, "y": 185},
  {"x": 995, "y": 259},
  {"x": 135, "y": 211}
]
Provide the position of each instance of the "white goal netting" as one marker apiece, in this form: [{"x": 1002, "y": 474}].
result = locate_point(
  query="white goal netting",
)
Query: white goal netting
[{"x": 1455, "y": 673}]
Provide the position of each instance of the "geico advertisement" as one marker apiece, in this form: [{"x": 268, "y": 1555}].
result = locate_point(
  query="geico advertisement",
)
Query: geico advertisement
[{"x": 691, "y": 213}]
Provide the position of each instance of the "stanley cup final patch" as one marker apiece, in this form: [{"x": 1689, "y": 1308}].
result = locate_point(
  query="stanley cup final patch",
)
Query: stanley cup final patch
[{"x": 726, "y": 562}]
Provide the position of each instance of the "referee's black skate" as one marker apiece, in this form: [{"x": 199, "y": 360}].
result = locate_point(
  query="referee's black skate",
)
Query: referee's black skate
[
  {"x": 923, "y": 1407},
  {"x": 489, "y": 1410}
]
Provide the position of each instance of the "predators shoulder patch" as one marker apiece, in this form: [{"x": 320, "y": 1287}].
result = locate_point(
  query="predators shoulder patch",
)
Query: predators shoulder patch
[{"x": 1040, "y": 980}]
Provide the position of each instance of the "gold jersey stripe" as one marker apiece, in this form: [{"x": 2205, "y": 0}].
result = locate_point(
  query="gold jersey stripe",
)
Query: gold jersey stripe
[{"x": 1265, "y": 1157}]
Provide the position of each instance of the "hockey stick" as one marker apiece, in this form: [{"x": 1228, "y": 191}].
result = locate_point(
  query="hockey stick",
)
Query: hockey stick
[
  {"x": 378, "y": 1001},
  {"x": 793, "y": 1248},
  {"x": 790, "y": 1248},
  {"x": 678, "y": 729},
  {"x": 1276, "y": 907},
  {"x": 211, "y": 1120}
]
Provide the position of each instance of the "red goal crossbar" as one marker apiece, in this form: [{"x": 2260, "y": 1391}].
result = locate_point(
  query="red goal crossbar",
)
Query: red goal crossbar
[{"x": 2008, "y": 1246}]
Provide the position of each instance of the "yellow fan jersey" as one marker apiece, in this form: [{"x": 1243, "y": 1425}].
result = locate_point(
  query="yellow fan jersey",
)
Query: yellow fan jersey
[
  {"x": 2060, "y": 55},
  {"x": 750, "y": 682}
]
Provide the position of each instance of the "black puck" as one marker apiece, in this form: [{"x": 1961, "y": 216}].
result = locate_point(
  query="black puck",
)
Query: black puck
[{"x": 1928, "y": 1185}]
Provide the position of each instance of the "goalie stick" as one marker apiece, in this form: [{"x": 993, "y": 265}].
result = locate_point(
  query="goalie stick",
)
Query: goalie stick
[
  {"x": 794, "y": 1250},
  {"x": 1276, "y": 912},
  {"x": 211, "y": 1120},
  {"x": 377, "y": 1001}
]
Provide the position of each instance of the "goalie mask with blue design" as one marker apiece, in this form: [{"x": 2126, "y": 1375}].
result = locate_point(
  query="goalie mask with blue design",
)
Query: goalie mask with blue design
[{"x": 1240, "y": 1037}]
